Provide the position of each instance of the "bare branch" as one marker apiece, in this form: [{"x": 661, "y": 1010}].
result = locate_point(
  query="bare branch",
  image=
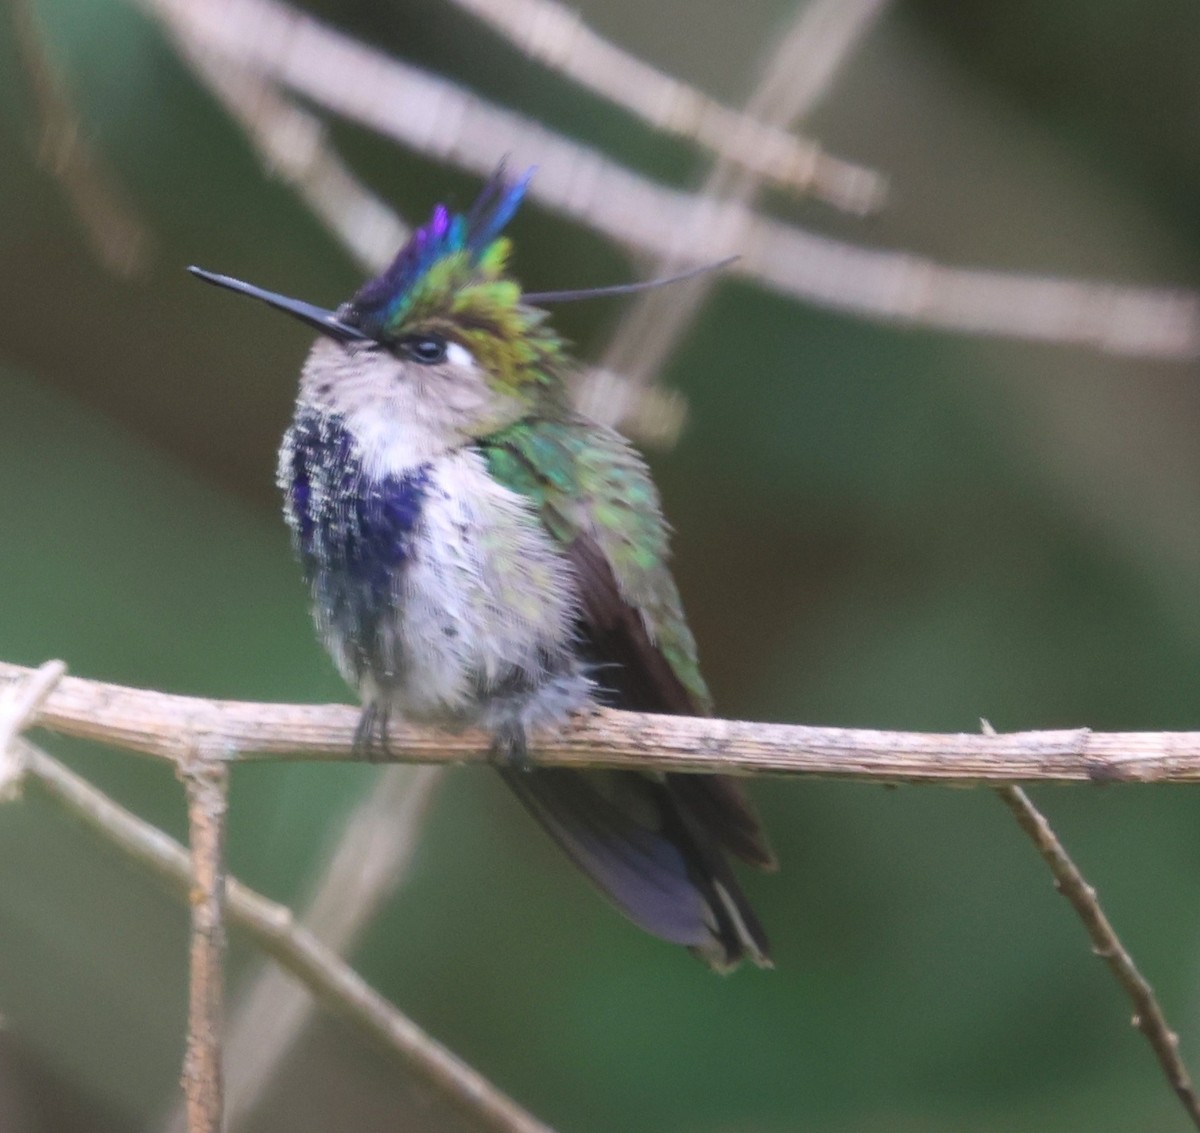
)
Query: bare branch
[
  {"x": 130, "y": 715},
  {"x": 121, "y": 242},
  {"x": 24, "y": 696},
  {"x": 446, "y": 122},
  {"x": 798, "y": 72},
  {"x": 816, "y": 47},
  {"x": 1147, "y": 1014},
  {"x": 1068, "y": 880},
  {"x": 159, "y": 724},
  {"x": 293, "y": 144},
  {"x": 368, "y": 864},
  {"x": 207, "y": 786},
  {"x": 907, "y": 289},
  {"x": 556, "y": 35},
  {"x": 19, "y": 704},
  {"x": 271, "y": 926},
  {"x": 139, "y": 719}
]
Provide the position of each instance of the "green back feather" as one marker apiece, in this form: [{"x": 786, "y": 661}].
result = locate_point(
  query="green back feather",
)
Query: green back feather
[{"x": 587, "y": 481}]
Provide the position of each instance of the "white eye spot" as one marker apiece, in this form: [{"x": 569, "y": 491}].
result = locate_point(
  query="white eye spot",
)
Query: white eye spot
[{"x": 459, "y": 355}]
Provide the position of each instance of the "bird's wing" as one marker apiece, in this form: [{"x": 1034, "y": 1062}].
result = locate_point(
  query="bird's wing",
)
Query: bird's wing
[
  {"x": 597, "y": 500},
  {"x": 595, "y": 496}
]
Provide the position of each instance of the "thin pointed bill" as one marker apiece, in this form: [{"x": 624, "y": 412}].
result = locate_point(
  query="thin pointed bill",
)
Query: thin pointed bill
[{"x": 325, "y": 321}]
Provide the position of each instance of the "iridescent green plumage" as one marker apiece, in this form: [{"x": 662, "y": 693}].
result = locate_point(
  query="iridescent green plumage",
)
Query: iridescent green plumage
[{"x": 590, "y": 486}]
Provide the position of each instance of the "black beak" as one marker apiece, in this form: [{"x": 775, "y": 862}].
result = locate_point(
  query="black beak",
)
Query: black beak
[{"x": 327, "y": 322}]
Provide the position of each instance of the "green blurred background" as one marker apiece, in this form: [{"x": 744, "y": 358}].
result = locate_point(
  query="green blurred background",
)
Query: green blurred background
[{"x": 874, "y": 527}]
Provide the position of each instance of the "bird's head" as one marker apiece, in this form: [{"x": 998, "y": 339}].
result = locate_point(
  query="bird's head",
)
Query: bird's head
[
  {"x": 443, "y": 339},
  {"x": 442, "y": 333}
]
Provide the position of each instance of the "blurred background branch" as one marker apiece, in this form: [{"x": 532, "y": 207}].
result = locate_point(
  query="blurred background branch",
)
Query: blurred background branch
[
  {"x": 118, "y": 238},
  {"x": 799, "y": 71},
  {"x": 294, "y": 146},
  {"x": 556, "y": 36},
  {"x": 442, "y": 120}
]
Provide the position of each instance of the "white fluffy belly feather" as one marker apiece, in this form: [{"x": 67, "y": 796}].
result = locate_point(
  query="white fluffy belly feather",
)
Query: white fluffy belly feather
[{"x": 482, "y": 624}]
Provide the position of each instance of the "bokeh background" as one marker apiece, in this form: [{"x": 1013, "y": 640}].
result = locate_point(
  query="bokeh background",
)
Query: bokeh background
[{"x": 875, "y": 526}]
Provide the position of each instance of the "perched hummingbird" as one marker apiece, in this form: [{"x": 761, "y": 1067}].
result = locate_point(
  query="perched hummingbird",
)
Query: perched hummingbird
[{"x": 481, "y": 554}]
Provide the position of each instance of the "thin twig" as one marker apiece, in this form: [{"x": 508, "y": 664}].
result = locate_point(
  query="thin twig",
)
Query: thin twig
[
  {"x": 369, "y": 863},
  {"x": 557, "y": 36},
  {"x": 272, "y": 927},
  {"x": 207, "y": 784},
  {"x": 151, "y": 723},
  {"x": 444, "y": 121},
  {"x": 19, "y": 704},
  {"x": 798, "y": 73},
  {"x": 120, "y": 240},
  {"x": 23, "y": 697},
  {"x": 1070, "y": 882},
  {"x": 1147, "y": 1014}
]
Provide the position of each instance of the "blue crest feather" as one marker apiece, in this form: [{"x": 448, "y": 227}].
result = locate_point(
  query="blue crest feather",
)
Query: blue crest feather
[{"x": 382, "y": 301}]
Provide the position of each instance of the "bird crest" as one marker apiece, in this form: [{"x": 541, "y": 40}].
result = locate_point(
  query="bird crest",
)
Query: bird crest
[
  {"x": 453, "y": 252},
  {"x": 451, "y": 277}
]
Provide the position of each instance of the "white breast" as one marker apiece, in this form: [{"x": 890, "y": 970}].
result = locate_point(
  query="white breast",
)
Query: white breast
[{"x": 488, "y": 604}]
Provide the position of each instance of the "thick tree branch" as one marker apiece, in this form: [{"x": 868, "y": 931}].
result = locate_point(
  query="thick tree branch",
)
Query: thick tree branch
[{"x": 169, "y": 727}]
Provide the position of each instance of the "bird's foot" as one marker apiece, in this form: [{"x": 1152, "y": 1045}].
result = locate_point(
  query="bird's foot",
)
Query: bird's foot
[
  {"x": 371, "y": 735},
  {"x": 510, "y": 747}
]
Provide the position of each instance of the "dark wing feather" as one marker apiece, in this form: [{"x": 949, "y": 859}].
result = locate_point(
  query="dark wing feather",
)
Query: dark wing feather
[
  {"x": 629, "y": 834},
  {"x": 721, "y": 808},
  {"x": 630, "y": 669},
  {"x": 633, "y": 673},
  {"x": 608, "y": 824}
]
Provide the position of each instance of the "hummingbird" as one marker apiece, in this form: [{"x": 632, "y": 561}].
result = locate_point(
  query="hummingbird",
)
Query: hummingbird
[{"x": 481, "y": 554}]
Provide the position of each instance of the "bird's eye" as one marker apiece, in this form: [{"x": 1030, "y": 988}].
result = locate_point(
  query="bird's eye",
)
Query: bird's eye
[{"x": 428, "y": 349}]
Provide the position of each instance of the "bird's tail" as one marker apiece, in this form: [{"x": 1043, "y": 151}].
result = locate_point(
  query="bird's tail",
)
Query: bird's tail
[{"x": 655, "y": 847}]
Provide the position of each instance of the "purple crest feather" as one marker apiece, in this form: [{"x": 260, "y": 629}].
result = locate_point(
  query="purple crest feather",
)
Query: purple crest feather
[{"x": 382, "y": 301}]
